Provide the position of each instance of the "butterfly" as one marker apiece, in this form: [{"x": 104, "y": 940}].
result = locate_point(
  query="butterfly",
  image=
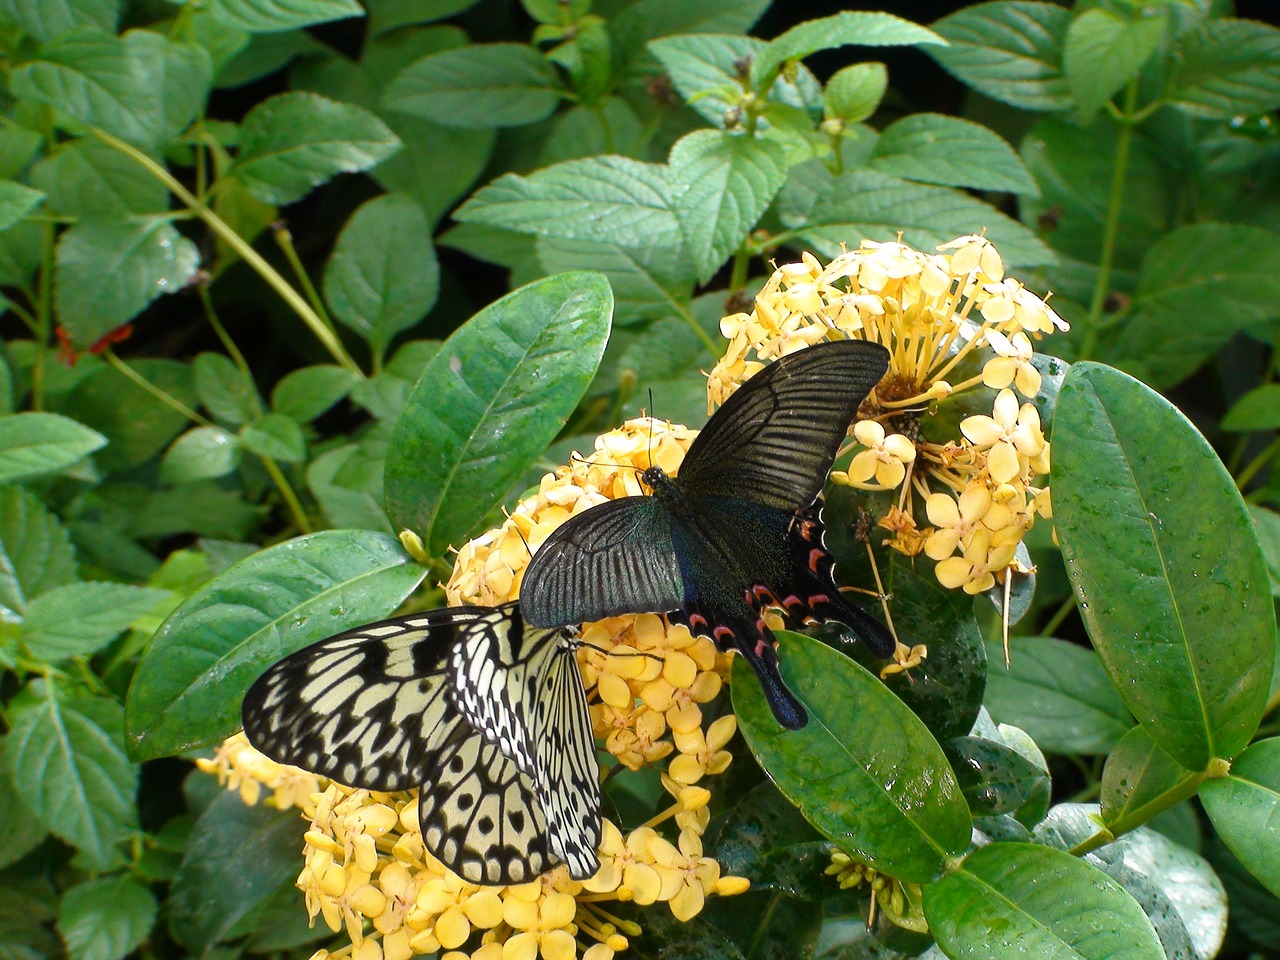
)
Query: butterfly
[
  {"x": 738, "y": 529},
  {"x": 483, "y": 713}
]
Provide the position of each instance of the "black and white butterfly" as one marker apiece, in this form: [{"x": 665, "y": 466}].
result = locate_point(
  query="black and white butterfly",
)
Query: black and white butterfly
[
  {"x": 486, "y": 715},
  {"x": 740, "y": 528}
]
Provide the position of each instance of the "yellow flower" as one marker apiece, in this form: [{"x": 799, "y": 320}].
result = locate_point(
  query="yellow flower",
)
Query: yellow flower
[
  {"x": 974, "y": 571},
  {"x": 1010, "y": 437},
  {"x": 885, "y": 457},
  {"x": 1013, "y": 365},
  {"x": 687, "y": 876},
  {"x": 543, "y": 927},
  {"x": 955, "y": 522},
  {"x": 701, "y": 754}
]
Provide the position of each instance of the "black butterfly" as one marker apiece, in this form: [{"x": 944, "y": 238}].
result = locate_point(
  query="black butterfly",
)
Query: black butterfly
[
  {"x": 487, "y": 716},
  {"x": 739, "y": 528}
]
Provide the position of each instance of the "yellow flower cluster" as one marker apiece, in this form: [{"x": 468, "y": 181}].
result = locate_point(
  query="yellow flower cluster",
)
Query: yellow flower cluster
[
  {"x": 938, "y": 315},
  {"x": 240, "y": 767}
]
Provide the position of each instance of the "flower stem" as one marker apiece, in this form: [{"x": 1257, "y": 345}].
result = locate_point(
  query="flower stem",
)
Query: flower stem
[
  {"x": 290, "y": 498},
  {"x": 1102, "y": 287},
  {"x": 166, "y": 398},
  {"x": 239, "y": 245}
]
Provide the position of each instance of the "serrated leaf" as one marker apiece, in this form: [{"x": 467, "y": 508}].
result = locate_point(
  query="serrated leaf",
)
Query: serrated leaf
[
  {"x": 65, "y": 756},
  {"x": 269, "y": 16},
  {"x": 490, "y": 401},
  {"x": 276, "y": 436},
  {"x": 854, "y": 93},
  {"x": 1104, "y": 51},
  {"x": 86, "y": 179},
  {"x": 1013, "y": 900},
  {"x": 721, "y": 185},
  {"x": 1227, "y": 67},
  {"x": 651, "y": 281},
  {"x": 202, "y": 453},
  {"x": 293, "y": 142},
  {"x": 35, "y": 552},
  {"x": 308, "y": 392},
  {"x": 842, "y": 29},
  {"x": 106, "y": 919},
  {"x": 35, "y": 443},
  {"x": 357, "y": 502},
  {"x": 81, "y": 618},
  {"x": 1060, "y": 694},
  {"x": 107, "y": 273},
  {"x": 1245, "y": 810},
  {"x": 438, "y": 164},
  {"x": 610, "y": 199},
  {"x": 485, "y": 85},
  {"x": 950, "y": 151},
  {"x": 46, "y": 19},
  {"x": 20, "y": 831},
  {"x": 1197, "y": 264},
  {"x": 1259, "y": 409},
  {"x": 873, "y": 780},
  {"x": 382, "y": 276},
  {"x": 187, "y": 688},
  {"x": 1010, "y": 51},
  {"x": 1157, "y": 543}
]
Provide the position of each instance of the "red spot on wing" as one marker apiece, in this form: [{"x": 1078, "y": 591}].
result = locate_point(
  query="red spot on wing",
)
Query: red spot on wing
[{"x": 816, "y": 556}]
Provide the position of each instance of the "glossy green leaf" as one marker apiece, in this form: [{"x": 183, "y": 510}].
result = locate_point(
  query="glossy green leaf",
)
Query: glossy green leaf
[
  {"x": 1010, "y": 50},
  {"x": 1245, "y": 810},
  {"x": 35, "y": 552},
  {"x": 864, "y": 770},
  {"x": 861, "y": 28},
  {"x": 764, "y": 924},
  {"x": 933, "y": 148},
  {"x": 108, "y": 272},
  {"x": 309, "y": 392},
  {"x": 382, "y": 276},
  {"x": 225, "y": 390},
  {"x": 1255, "y": 912},
  {"x": 1226, "y": 68},
  {"x": 1059, "y": 693},
  {"x": 275, "y": 15},
  {"x": 1139, "y": 776},
  {"x": 81, "y": 618},
  {"x": 188, "y": 686},
  {"x": 201, "y": 453},
  {"x": 87, "y": 178},
  {"x": 1259, "y": 409},
  {"x": 610, "y": 199},
  {"x": 485, "y": 85},
  {"x": 765, "y": 838},
  {"x": 46, "y": 19},
  {"x": 666, "y": 938},
  {"x": 135, "y": 422},
  {"x": 1103, "y": 52},
  {"x": 996, "y": 779},
  {"x": 293, "y": 142},
  {"x": 236, "y": 858},
  {"x": 66, "y": 757},
  {"x": 1014, "y": 900},
  {"x": 276, "y": 436},
  {"x": 106, "y": 919},
  {"x": 1158, "y": 544},
  {"x": 36, "y": 443},
  {"x": 490, "y": 401}
]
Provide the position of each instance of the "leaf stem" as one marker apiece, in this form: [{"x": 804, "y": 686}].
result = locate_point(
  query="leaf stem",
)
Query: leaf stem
[
  {"x": 1157, "y": 805},
  {"x": 687, "y": 316},
  {"x": 233, "y": 351},
  {"x": 166, "y": 398},
  {"x": 741, "y": 261},
  {"x": 286, "y": 492},
  {"x": 1059, "y": 615},
  {"x": 1102, "y": 287},
  {"x": 284, "y": 240},
  {"x": 245, "y": 250},
  {"x": 1257, "y": 463}
]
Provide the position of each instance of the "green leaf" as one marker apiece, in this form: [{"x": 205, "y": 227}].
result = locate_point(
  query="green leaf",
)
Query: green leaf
[
  {"x": 308, "y": 392},
  {"x": 1259, "y": 409},
  {"x": 765, "y": 838},
  {"x": 106, "y": 919},
  {"x": 651, "y": 281},
  {"x": 1010, "y": 50},
  {"x": 486, "y": 85},
  {"x": 763, "y": 924},
  {"x": 35, "y": 552},
  {"x": 1169, "y": 331},
  {"x": 293, "y": 142},
  {"x": 438, "y": 164},
  {"x": 20, "y": 831},
  {"x": 46, "y": 19},
  {"x": 490, "y": 401},
  {"x": 20, "y": 252},
  {"x": 142, "y": 87},
  {"x": 137, "y": 424},
  {"x": 610, "y": 199},
  {"x": 36, "y": 443},
  {"x": 645, "y": 20},
  {"x": 722, "y": 184},
  {"x": 1013, "y": 900},
  {"x": 382, "y": 276},
  {"x": 202, "y": 453},
  {"x": 1060, "y": 694},
  {"x": 18, "y": 147},
  {"x": 347, "y": 482},
  {"x": 88, "y": 179},
  {"x": 388, "y": 15},
  {"x": 107, "y": 273},
  {"x": 225, "y": 390},
  {"x": 1138, "y": 777},
  {"x": 81, "y": 618},
  {"x": 1226, "y": 68},
  {"x": 1157, "y": 544},
  {"x": 237, "y": 857},
  {"x": 854, "y": 93},
  {"x": 1267, "y": 523},
  {"x": 65, "y": 756},
  {"x": 276, "y": 436},
  {"x": 187, "y": 689},
  {"x": 996, "y": 779},
  {"x": 865, "y": 204},
  {"x": 872, "y": 779},
  {"x": 16, "y": 201},
  {"x": 840, "y": 30},
  {"x": 268, "y": 16},
  {"x": 933, "y": 148},
  {"x": 1245, "y": 810},
  {"x": 1104, "y": 51}
]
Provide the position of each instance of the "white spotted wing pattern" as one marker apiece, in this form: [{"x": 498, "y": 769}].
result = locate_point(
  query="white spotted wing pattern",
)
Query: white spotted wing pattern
[{"x": 486, "y": 716}]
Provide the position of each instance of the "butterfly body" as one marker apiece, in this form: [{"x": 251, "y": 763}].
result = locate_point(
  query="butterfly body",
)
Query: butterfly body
[{"x": 735, "y": 530}]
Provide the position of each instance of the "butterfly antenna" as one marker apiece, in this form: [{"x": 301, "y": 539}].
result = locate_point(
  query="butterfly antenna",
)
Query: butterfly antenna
[
  {"x": 651, "y": 419},
  {"x": 611, "y": 653},
  {"x": 603, "y": 463}
]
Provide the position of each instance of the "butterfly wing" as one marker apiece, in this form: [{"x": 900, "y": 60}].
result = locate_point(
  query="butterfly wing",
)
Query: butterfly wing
[
  {"x": 615, "y": 558},
  {"x": 774, "y": 440}
]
